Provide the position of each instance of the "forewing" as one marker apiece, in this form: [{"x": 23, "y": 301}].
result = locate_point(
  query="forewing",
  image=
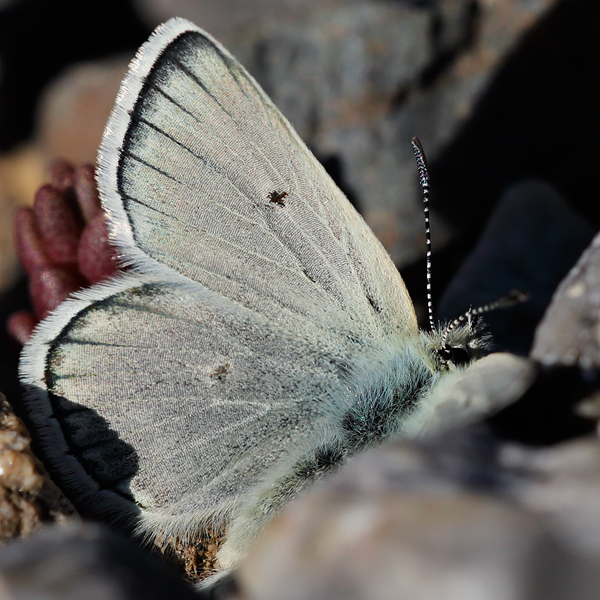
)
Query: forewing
[
  {"x": 194, "y": 165},
  {"x": 165, "y": 401}
]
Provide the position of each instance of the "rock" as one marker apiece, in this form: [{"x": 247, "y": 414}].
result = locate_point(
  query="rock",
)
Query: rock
[
  {"x": 460, "y": 515},
  {"x": 562, "y": 483},
  {"x": 569, "y": 333},
  {"x": 488, "y": 386},
  {"x": 28, "y": 498},
  {"x": 531, "y": 241},
  {"x": 88, "y": 562}
]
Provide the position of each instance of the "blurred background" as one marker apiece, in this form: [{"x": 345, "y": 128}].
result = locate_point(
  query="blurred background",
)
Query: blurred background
[{"x": 500, "y": 92}]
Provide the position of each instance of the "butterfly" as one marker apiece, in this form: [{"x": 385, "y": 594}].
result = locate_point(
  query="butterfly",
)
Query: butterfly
[{"x": 262, "y": 334}]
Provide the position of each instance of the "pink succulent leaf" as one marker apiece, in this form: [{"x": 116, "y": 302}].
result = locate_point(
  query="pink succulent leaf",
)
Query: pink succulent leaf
[
  {"x": 96, "y": 256},
  {"x": 20, "y": 325},
  {"x": 28, "y": 241},
  {"x": 49, "y": 286},
  {"x": 58, "y": 223},
  {"x": 62, "y": 243},
  {"x": 86, "y": 192},
  {"x": 62, "y": 175}
]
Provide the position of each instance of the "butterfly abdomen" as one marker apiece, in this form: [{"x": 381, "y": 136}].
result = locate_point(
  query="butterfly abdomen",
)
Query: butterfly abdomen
[
  {"x": 390, "y": 396},
  {"x": 387, "y": 391}
]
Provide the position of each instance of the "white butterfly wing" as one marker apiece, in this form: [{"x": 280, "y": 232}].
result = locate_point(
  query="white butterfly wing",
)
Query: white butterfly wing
[
  {"x": 166, "y": 398},
  {"x": 190, "y": 155},
  {"x": 170, "y": 395}
]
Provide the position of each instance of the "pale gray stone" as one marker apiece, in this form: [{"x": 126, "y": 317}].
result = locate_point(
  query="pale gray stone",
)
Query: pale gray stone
[
  {"x": 456, "y": 516},
  {"x": 570, "y": 331}
]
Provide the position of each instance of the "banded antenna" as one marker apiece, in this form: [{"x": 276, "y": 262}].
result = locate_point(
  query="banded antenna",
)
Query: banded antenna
[
  {"x": 512, "y": 298},
  {"x": 424, "y": 181}
]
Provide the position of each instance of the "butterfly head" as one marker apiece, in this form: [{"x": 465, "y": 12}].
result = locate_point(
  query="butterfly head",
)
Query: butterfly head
[
  {"x": 464, "y": 340},
  {"x": 459, "y": 346}
]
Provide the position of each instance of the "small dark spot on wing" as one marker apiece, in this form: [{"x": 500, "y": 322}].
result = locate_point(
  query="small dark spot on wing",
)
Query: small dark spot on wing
[
  {"x": 277, "y": 197},
  {"x": 221, "y": 372}
]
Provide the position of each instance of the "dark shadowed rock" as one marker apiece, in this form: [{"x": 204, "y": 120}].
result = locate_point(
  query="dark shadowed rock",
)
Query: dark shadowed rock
[
  {"x": 85, "y": 562},
  {"x": 531, "y": 241}
]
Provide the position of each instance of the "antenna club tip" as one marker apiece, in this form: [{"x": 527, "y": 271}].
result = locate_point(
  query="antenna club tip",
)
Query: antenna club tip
[
  {"x": 513, "y": 297},
  {"x": 518, "y": 296},
  {"x": 421, "y": 159},
  {"x": 416, "y": 144}
]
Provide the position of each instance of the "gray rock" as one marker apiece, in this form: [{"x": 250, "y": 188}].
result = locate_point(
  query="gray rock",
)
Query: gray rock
[
  {"x": 569, "y": 333},
  {"x": 488, "y": 386},
  {"x": 532, "y": 240},
  {"x": 85, "y": 562},
  {"x": 459, "y": 515}
]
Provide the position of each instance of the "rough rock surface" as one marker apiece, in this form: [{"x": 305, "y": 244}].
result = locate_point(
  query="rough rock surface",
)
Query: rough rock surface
[
  {"x": 570, "y": 332},
  {"x": 84, "y": 561},
  {"x": 28, "y": 498},
  {"x": 455, "y": 516}
]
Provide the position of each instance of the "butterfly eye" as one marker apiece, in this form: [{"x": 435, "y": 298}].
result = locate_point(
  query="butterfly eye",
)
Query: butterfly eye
[{"x": 458, "y": 356}]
